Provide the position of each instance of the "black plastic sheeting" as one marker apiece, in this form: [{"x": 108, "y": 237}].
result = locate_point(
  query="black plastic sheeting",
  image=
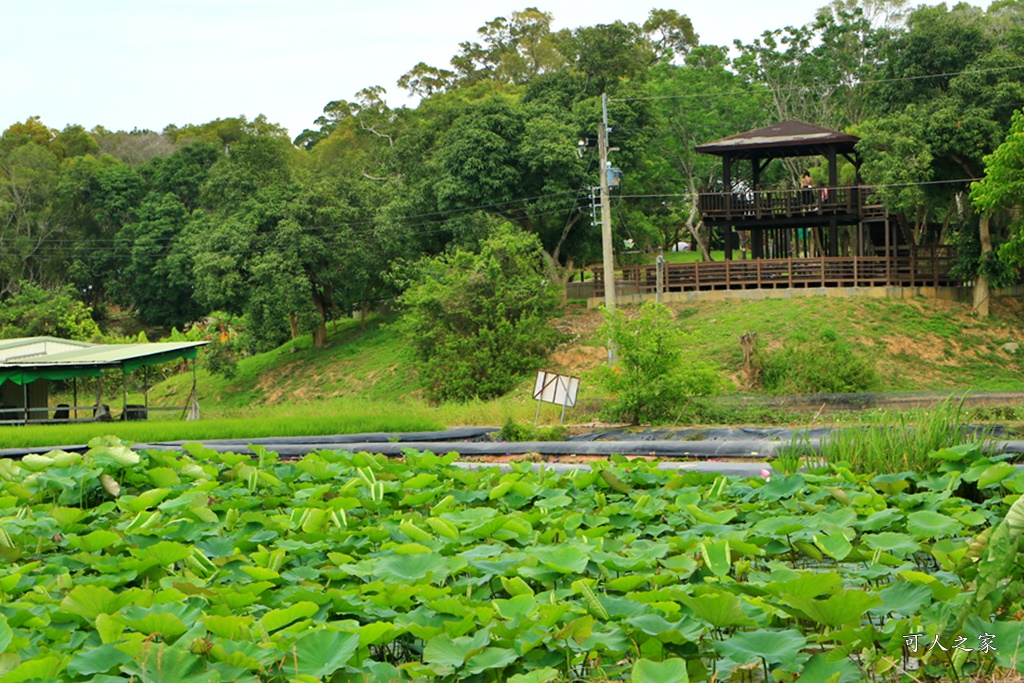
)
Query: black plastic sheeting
[
  {"x": 460, "y": 434},
  {"x": 713, "y": 443},
  {"x": 331, "y": 442},
  {"x": 744, "y": 433},
  {"x": 664, "y": 449}
]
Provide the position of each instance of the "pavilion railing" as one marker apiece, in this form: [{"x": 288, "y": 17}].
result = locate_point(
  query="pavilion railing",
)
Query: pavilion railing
[
  {"x": 768, "y": 204},
  {"x": 923, "y": 267}
]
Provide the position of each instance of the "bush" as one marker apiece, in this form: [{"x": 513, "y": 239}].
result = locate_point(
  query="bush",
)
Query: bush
[
  {"x": 37, "y": 312},
  {"x": 828, "y": 364},
  {"x": 513, "y": 431},
  {"x": 477, "y": 322},
  {"x": 650, "y": 379}
]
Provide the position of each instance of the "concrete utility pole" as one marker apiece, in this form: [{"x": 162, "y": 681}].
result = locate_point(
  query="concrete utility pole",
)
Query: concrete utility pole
[{"x": 606, "y": 209}]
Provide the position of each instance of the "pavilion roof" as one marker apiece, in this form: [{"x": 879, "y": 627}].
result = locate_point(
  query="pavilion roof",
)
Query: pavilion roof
[{"x": 786, "y": 139}]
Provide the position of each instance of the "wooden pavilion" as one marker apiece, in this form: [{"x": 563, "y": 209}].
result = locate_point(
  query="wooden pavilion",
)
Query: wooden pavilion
[{"x": 825, "y": 236}]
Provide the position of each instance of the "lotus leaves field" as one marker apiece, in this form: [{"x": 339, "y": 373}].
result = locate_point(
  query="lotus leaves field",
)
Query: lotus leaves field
[{"x": 160, "y": 566}]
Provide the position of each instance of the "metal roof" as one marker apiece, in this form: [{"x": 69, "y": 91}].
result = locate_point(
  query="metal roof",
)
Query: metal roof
[
  {"x": 788, "y": 138},
  {"x": 111, "y": 354},
  {"x": 68, "y": 358}
]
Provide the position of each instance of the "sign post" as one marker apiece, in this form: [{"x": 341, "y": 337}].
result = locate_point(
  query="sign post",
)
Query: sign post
[{"x": 551, "y": 387}]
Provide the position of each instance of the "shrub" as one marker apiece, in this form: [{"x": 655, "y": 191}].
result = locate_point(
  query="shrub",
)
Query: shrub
[
  {"x": 513, "y": 431},
  {"x": 650, "y": 379},
  {"x": 477, "y": 322},
  {"x": 37, "y": 312},
  {"x": 828, "y": 364}
]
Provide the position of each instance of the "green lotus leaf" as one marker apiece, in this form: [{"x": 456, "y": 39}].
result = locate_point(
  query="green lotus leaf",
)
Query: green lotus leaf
[
  {"x": 720, "y": 610},
  {"x": 43, "y": 667},
  {"x": 782, "y": 487},
  {"x": 717, "y": 557},
  {"x": 91, "y": 601},
  {"x": 447, "y": 651},
  {"x": 6, "y": 635},
  {"x": 844, "y": 608},
  {"x": 677, "y": 632},
  {"x": 119, "y": 455},
  {"x": 821, "y": 668},
  {"x": 930, "y": 524},
  {"x": 514, "y": 608},
  {"x": 545, "y": 675},
  {"x": 322, "y": 652},
  {"x": 903, "y": 598},
  {"x": 167, "y": 552},
  {"x": 231, "y": 627},
  {"x": 776, "y": 648},
  {"x": 98, "y": 660},
  {"x": 279, "y": 618},
  {"x": 892, "y": 542},
  {"x": 429, "y": 567},
  {"x": 834, "y": 545},
  {"x": 565, "y": 559},
  {"x": 807, "y": 585},
  {"x": 647, "y": 671},
  {"x": 491, "y": 658}
]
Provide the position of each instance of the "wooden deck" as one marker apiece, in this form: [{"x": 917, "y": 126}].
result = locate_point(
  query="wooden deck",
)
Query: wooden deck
[
  {"x": 926, "y": 267},
  {"x": 804, "y": 206}
]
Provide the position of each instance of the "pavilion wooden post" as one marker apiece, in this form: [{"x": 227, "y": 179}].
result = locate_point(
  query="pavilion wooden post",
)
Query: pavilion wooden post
[
  {"x": 888, "y": 256},
  {"x": 981, "y": 285}
]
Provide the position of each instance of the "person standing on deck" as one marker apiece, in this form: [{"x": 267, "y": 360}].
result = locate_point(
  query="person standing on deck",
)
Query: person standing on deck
[{"x": 806, "y": 189}]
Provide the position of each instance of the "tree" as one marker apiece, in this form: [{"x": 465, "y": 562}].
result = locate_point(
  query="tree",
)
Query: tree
[
  {"x": 33, "y": 311},
  {"x": 948, "y": 88},
  {"x": 1001, "y": 192},
  {"x": 30, "y": 227},
  {"x": 699, "y": 101},
  {"x": 650, "y": 380},
  {"x": 476, "y": 323},
  {"x": 155, "y": 274},
  {"x": 518, "y": 162}
]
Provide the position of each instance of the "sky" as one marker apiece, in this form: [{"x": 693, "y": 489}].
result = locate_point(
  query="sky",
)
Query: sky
[{"x": 127, "y": 64}]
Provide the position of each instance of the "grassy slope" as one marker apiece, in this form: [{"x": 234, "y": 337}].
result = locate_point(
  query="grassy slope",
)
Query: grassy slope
[
  {"x": 917, "y": 344},
  {"x": 363, "y": 380}
]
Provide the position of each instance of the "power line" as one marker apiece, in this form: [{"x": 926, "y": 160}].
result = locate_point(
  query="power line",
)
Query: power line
[
  {"x": 63, "y": 247},
  {"x": 872, "y": 81}
]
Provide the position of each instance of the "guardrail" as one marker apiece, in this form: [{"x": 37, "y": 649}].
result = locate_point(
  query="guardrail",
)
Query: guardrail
[{"x": 922, "y": 268}]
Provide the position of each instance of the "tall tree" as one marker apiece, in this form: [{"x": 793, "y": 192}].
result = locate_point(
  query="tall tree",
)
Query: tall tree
[{"x": 699, "y": 101}]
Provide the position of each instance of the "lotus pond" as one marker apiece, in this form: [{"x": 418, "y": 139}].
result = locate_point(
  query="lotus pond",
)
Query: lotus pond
[{"x": 185, "y": 567}]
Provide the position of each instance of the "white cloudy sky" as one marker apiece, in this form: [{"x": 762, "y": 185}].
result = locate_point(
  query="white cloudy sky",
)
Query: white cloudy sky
[{"x": 128, "y": 64}]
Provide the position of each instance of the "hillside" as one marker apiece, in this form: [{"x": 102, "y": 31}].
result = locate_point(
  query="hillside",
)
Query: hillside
[{"x": 916, "y": 345}]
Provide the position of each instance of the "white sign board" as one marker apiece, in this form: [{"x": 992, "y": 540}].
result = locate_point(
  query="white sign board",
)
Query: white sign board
[{"x": 554, "y": 388}]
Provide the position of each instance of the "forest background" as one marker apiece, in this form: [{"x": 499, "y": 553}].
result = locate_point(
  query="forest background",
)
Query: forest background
[{"x": 268, "y": 236}]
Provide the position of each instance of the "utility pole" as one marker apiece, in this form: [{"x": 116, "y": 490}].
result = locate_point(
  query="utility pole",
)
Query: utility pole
[{"x": 606, "y": 209}]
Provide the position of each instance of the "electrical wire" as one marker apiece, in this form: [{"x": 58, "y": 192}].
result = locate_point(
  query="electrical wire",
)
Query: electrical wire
[{"x": 870, "y": 81}]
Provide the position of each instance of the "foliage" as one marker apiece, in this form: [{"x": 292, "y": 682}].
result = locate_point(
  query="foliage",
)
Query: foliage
[
  {"x": 1000, "y": 190},
  {"x": 221, "y": 358},
  {"x": 898, "y": 440},
  {"x": 477, "y": 322},
  {"x": 825, "y": 364},
  {"x": 204, "y": 565},
  {"x": 650, "y": 379},
  {"x": 38, "y": 312},
  {"x": 513, "y": 431}
]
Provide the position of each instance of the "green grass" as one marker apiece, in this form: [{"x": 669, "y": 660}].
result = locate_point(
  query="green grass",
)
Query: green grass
[
  {"x": 335, "y": 417},
  {"x": 902, "y": 443},
  {"x": 363, "y": 380}
]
